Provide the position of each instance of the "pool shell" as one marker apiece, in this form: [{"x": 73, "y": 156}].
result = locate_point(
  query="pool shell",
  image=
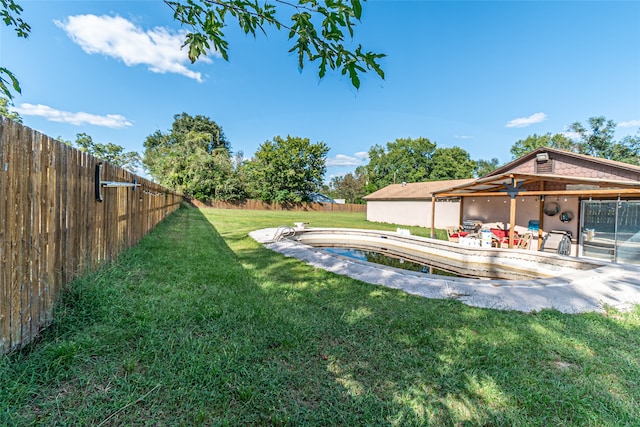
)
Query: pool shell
[
  {"x": 565, "y": 284},
  {"x": 490, "y": 263}
]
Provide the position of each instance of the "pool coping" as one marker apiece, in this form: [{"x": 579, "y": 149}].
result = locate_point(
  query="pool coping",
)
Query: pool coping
[{"x": 606, "y": 285}]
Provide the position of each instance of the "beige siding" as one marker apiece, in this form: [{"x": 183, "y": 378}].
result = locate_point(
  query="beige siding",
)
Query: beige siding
[
  {"x": 496, "y": 209},
  {"x": 416, "y": 213}
]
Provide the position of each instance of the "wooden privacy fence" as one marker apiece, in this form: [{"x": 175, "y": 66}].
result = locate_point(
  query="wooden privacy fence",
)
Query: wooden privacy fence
[
  {"x": 259, "y": 205},
  {"x": 53, "y": 229}
]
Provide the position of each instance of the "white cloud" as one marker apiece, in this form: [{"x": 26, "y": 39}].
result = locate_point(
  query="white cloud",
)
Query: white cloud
[
  {"x": 159, "y": 48},
  {"x": 342, "y": 160},
  {"x": 629, "y": 124},
  {"x": 51, "y": 114},
  {"x": 363, "y": 155},
  {"x": 527, "y": 121},
  {"x": 571, "y": 135},
  {"x": 462, "y": 136}
]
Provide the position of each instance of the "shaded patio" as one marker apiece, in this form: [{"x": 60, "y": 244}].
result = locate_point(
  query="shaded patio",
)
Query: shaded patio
[{"x": 529, "y": 198}]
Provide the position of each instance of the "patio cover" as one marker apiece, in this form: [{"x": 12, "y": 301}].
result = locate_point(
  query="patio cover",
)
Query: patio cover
[{"x": 518, "y": 184}]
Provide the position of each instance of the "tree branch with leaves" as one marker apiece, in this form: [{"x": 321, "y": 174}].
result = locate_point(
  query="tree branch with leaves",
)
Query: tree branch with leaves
[
  {"x": 318, "y": 30},
  {"x": 10, "y": 14}
]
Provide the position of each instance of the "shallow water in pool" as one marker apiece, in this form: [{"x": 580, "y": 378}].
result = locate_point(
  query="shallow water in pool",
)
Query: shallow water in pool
[{"x": 388, "y": 260}]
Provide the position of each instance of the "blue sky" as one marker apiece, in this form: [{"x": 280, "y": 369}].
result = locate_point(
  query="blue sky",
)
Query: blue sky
[{"x": 477, "y": 75}]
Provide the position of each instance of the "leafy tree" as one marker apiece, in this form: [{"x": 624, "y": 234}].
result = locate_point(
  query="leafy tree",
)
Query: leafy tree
[
  {"x": 485, "y": 167},
  {"x": 317, "y": 30},
  {"x": 627, "y": 150},
  {"x": 287, "y": 169},
  {"x": 161, "y": 147},
  {"x": 533, "y": 142},
  {"x": 407, "y": 160},
  {"x": 598, "y": 140},
  {"x": 184, "y": 123},
  {"x": 349, "y": 187},
  {"x": 109, "y": 152},
  {"x": 193, "y": 158},
  {"x": 414, "y": 160},
  {"x": 212, "y": 139},
  {"x": 10, "y": 14},
  {"x": 4, "y": 110},
  {"x": 195, "y": 172},
  {"x": 451, "y": 163}
]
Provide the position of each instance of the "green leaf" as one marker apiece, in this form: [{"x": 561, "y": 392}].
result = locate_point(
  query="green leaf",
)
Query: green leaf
[
  {"x": 315, "y": 27},
  {"x": 3, "y": 83},
  {"x": 357, "y": 9},
  {"x": 353, "y": 74}
]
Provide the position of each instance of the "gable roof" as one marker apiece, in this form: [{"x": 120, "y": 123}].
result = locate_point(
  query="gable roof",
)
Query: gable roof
[
  {"x": 415, "y": 190},
  {"x": 531, "y": 155}
]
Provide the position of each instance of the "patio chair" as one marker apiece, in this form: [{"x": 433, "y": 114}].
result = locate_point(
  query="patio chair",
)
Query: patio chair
[
  {"x": 557, "y": 242},
  {"x": 454, "y": 234},
  {"x": 525, "y": 241},
  {"x": 520, "y": 241}
]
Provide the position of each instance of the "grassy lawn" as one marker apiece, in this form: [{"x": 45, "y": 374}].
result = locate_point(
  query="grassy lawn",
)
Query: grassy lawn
[{"x": 200, "y": 325}]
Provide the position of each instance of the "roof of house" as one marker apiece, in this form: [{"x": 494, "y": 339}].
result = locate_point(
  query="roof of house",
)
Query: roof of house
[
  {"x": 497, "y": 181},
  {"x": 414, "y": 190},
  {"x": 596, "y": 160}
]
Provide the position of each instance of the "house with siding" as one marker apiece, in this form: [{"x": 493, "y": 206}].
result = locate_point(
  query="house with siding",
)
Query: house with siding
[
  {"x": 410, "y": 204},
  {"x": 596, "y": 201}
]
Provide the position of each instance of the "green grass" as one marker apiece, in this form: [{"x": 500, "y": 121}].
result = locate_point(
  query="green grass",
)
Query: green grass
[{"x": 200, "y": 325}]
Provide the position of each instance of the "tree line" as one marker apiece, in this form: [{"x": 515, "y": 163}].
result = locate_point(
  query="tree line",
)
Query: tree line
[
  {"x": 195, "y": 157},
  {"x": 416, "y": 160}
]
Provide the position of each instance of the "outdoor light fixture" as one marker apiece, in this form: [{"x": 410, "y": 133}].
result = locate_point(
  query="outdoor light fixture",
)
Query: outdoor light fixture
[{"x": 542, "y": 157}]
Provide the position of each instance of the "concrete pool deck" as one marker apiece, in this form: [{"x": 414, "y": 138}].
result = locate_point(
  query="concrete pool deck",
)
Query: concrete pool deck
[{"x": 613, "y": 285}]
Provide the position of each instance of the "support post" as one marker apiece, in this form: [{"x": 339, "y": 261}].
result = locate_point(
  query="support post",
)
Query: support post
[
  {"x": 512, "y": 221},
  {"x": 433, "y": 216},
  {"x": 541, "y": 220}
]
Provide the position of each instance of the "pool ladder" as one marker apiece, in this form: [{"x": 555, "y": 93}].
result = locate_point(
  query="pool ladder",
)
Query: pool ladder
[{"x": 283, "y": 232}]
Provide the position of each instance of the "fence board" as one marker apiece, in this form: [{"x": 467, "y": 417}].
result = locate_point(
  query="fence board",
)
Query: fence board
[
  {"x": 52, "y": 229},
  {"x": 5, "y": 239}
]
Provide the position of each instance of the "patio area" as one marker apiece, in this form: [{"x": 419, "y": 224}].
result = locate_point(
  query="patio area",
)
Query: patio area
[{"x": 592, "y": 211}]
